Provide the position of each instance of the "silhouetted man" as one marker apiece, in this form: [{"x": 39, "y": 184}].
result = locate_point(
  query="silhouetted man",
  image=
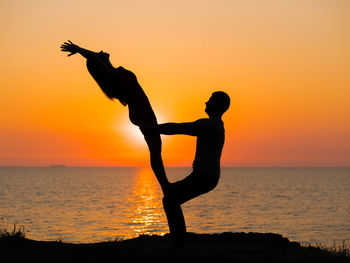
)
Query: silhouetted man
[
  {"x": 210, "y": 135},
  {"x": 119, "y": 83}
]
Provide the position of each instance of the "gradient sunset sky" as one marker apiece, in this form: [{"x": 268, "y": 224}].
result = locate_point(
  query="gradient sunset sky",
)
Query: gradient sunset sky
[{"x": 285, "y": 64}]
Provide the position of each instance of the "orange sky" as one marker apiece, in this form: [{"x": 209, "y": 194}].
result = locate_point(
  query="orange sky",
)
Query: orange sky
[{"x": 285, "y": 64}]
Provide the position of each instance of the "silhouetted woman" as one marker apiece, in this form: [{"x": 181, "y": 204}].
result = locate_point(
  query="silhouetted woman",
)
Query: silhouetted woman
[{"x": 119, "y": 83}]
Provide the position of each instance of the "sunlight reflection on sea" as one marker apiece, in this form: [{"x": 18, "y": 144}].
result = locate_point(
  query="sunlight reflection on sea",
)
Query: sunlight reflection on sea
[{"x": 99, "y": 204}]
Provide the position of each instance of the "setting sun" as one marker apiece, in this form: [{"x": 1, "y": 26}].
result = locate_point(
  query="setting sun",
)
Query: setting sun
[{"x": 285, "y": 67}]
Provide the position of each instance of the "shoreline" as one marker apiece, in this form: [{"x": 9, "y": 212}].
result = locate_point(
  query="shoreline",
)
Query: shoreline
[{"x": 223, "y": 247}]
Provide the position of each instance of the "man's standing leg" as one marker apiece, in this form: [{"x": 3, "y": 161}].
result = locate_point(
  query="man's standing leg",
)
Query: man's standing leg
[
  {"x": 176, "y": 220},
  {"x": 181, "y": 192}
]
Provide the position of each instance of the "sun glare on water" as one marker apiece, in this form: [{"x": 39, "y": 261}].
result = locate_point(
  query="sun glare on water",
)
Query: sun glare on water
[{"x": 149, "y": 217}]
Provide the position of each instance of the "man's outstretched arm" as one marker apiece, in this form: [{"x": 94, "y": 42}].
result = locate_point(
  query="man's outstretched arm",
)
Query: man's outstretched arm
[{"x": 187, "y": 128}]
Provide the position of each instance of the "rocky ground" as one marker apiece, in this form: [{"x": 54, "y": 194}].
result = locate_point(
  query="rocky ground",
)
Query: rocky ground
[{"x": 225, "y": 247}]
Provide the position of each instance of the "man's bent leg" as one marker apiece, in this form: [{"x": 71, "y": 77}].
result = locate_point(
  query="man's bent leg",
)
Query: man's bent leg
[{"x": 181, "y": 192}]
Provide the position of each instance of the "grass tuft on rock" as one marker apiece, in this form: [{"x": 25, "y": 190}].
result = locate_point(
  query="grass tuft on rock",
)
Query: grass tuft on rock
[{"x": 17, "y": 232}]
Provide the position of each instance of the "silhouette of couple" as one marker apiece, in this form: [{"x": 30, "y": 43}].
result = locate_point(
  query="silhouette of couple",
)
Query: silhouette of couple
[{"x": 121, "y": 84}]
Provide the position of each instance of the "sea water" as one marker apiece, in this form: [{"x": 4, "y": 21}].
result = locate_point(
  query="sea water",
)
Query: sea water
[{"x": 308, "y": 205}]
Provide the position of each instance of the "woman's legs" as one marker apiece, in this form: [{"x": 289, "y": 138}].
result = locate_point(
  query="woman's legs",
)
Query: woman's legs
[{"x": 155, "y": 148}]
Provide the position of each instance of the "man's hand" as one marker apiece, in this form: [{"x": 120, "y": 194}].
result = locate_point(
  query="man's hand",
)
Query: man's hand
[
  {"x": 149, "y": 129},
  {"x": 70, "y": 47}
]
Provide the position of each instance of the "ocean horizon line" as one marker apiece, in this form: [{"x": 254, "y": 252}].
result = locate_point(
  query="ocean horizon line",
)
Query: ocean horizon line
[{"x": 170, "y": 166}]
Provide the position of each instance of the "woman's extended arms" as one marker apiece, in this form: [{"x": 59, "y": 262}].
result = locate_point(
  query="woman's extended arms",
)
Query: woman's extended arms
[{"x": 73, "y": 49}]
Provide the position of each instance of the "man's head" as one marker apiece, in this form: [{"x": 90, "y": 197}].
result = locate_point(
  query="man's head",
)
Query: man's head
[{"x": 218, "y": 103}]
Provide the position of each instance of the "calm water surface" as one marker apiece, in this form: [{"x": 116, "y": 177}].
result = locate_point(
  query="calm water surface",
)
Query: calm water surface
[{"x": 99, "y": 204}]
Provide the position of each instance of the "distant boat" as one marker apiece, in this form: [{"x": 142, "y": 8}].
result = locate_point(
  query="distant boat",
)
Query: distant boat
[{"x": 57, "y": 166}]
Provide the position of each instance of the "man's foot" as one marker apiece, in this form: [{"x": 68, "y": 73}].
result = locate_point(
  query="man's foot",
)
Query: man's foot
[{"x": 178, "y": 240}]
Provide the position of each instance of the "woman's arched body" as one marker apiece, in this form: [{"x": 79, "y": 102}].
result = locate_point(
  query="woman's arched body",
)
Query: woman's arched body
[{"x": 120, "y": 83}]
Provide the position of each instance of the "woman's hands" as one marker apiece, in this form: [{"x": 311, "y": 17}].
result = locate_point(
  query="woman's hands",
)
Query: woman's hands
[{"x": 70, "y": 47}]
